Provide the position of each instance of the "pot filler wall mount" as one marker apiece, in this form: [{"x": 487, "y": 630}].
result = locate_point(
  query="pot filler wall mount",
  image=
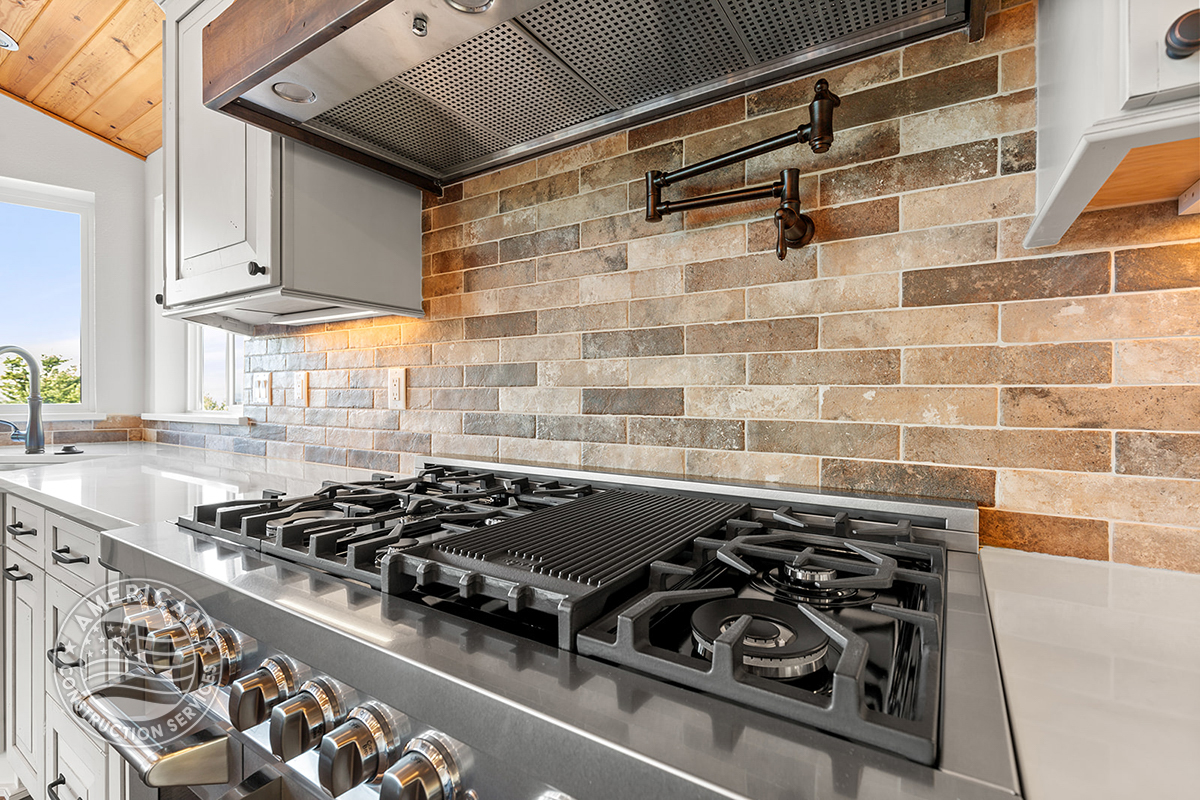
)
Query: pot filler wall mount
[{"x": 792, "y": 229}]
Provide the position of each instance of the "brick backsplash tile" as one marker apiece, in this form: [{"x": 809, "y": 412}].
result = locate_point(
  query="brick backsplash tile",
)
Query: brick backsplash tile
[
  {"x": 462, "y": 445},
  {"x": 968, "y": 122},
  {"x": 593, "y": 372},
  {"x": 542, "y": 243},
  {"x": 1078, "y": 451},
  {"x": 1075, "y": 363},
  {"x": 587, "y": 153},
  {"x": 451, "y": 214},
  {"x": 824, "y": 438},
  {"x": 600, "y": 316},
  {"x": 831, "y": 224},
  {"x": 664, "y": 402},
  {"x": 687, "y": 246},
  {"x": 680, "y": 125},
  {"x": 1152, "y": 223},
  {"x": 631, "y": 166},
  {"x": 540, "y": 451},
  {"x": 581, "y": 429},
  {"x": 624, "y": 344},
  {"x": 910, "y": 480},
  {"x": 946, "y": 87},
  {"x": 793, "y": 333},
  {"x": 1151, "y": 268},
  {"x": 1127, "y": 316},
  {"x": 380, "y": 461},
  {"x": 627, "y": 457},
  {"x": 752, "y": 270},
  {"x": 626, "y": 228},
  {"x": 911, "y": 326},
  {"x": 708, "y": 434},
  {"x": 520, "y": 324},
  {"x": 485, "y": 351},
  {"x": 428, "y": 330},
  {"x": 441, "y": 285},
  {"x": 539, "y": 399},
  {"x": 959, "y": 244},
  {"x": 421, "y": 377},
  {"x": 700, "y": 307},
  {"x": 855, "y": 146},
  {"x": 1120, "y": 498},
  {"x": 1163, "y": 455},
  {"x": 1000, "y": 281},
  {"x": 403, "y": 441},
  {"x": 583, "y": 262},
  {"x": 1063, "y": 536},
  {"x": 515, "y": 274},
  {"x": 851, "y": 293},
  {"x": 411, "y": 355},
  {"x": 910, "y": 404},
  {"x": 1007, "y": 196},
  {"x": 442, "y": 239},
  {"x": 723, "y": 370},
  {"x": 450, "y": 194},
  {"x": 770, "y": 402},
  {"x": 325, "y": 455},
  {"x": 524, "y": 374},
  {"x": 561, "y": 346},
  {"x": 1150, "y": 361},
  {"x": 428, "y": 421},
  {"x": 1018, "y": 69},
  {"x": 476, "y": 255},
  {"x": 949, "y": 165},
  {"x": 843, "y": 80},
  {"x": 1018, "y": 153},
  {"x": 500, "y": 179},
  {"x": 600, "y": 203},
  {"x": 780, "y": 468},
  {"x": 1156, "y": 546},
  {"x": 854, "y": 367},
  {"x": 537, "y": 192},
  {"x": 1007, "y": 30},
  {"x": 502, "y": 226},
  {"x": 656, "y": 282},
  {"x": 1169, "y": 408},
  {"x": 481, "y": 424}
]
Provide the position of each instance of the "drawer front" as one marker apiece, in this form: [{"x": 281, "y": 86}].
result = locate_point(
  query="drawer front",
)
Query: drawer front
[
  {"x": 76, "y": 766},
  {"x": 25, "y": 530},
  {"x": 73, "y": 553}
]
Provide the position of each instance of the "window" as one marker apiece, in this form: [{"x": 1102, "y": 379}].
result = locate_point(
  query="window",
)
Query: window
[
  {"x": 216, "y": 365},
  {"x": 46, "y": 238}
]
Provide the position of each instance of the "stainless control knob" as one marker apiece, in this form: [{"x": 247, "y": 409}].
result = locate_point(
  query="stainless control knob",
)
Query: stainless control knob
[
  {"x": 160, "y": 646},
  {"x": 138, "y": 626},
  {"x": 362, "y": 748},
  {"x": 428, "y": 770},
  {"x": 251, "y": 698},
  {"x": 215, "y": 660},
  {"x": 298, "y": 724}
]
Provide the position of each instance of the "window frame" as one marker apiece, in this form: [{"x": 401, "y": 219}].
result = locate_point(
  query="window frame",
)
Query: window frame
[
  {"x": 75, "y": 201},
  {"x": 195, "y": 372}
]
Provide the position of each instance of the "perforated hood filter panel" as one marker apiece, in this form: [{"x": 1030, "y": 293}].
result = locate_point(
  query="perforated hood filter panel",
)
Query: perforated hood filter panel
[{"x": 569, "y": 70}]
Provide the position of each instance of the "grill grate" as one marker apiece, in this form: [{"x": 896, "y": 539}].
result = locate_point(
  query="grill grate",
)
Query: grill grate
[
  {"x": 503, "y": 82},
  {"x": 396, "y": 119},
  {"x": 596, "y": 539},
  {"x": 639, "y": 50},
  {"x": 783, "y": 27}
]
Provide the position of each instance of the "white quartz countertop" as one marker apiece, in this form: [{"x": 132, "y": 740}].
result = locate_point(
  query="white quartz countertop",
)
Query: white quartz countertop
[{"x": 1101, "y": 666}]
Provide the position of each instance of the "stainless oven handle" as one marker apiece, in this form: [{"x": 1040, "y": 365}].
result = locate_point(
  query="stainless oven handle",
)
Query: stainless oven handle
[{"x": 201, "y": 756}]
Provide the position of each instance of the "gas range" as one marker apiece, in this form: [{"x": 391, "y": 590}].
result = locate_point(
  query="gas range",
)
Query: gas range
[{"x": 837, "y": 625}]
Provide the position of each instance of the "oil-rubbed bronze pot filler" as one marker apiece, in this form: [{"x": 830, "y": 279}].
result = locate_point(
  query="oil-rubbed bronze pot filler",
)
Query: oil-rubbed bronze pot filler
[{"x": 792, "y": 228}]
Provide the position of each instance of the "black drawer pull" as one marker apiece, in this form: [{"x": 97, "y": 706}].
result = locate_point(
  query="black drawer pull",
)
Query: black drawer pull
[
  {"x": 53, "y": 785},
  {"x": 60, "y": 555},
  {"x": 10, "y": 574},
  {"x": 52, "y": 657},
  {"x": 17, "y": 529}
]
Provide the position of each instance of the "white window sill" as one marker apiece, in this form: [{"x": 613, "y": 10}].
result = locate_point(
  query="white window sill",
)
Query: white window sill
[{"x": 200, "y": 417}]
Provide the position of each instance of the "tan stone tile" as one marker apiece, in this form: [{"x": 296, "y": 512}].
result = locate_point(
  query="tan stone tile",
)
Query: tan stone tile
[
  {"x": 582, "y": 154},
  {"x": 1001, "y": 281},
  {"x": 626, "y": 227},
  {"x": 1150, "y": 223},
  {"x": 605, "y": 316},
  {"x": 1149, "y": 361},
  {"x": 1128, "y": 316},
  {"x": 1163, "y": 408},
  {"x": 656, "y": 282},
  {"x": 558, "y": 294},
  {"x": 910, "y": 480},
  {"x": 793, "y": 333},
  {"x": 750, "y": 270},
  {"x": 638, "y": 401},
  {"x": 958, "y": 163},
  {"x": 444, "y": 239},
  {"x": 907, "y": 327},
  {"x": 429, "y": 421},
  {"x": 969, "y": 122},
  {"x": 935, "y": 247},
  {"x": 1038, "y": 533},
  {"x": 319, "y": 342},
  {"x": 593, "y": 372},
  {"x": 1078, "y": 451},
  {"x": 542, "y": 243},
  {"x": 957, "y": 84},
  {"x": 384, "y": 336},
  {"x": 632, "y": 458},
  {"x": 716, "y": 115},
  {"x": 1157, "y": 546},
  {"x": 593, "y": 205},
  {"x": 1175, "y": 266},
  {"x": 349, "y": 438},
  {"x": 500, "y": 179},
  {"x": 857, "y": 145},
  {"x": 1008, "y": 30},
  {"x": 687, "y": 246},
  {"x": 759, "y": 402},
  {"x": 847, "y": 79},
  {"x": 425, "y": 330},
  {"x": 688, "y": 371},
  {"x": 911, "y": 405},
  {"x": 850, "y": 367},
  {"x": 475, "y": 208},
  {"x": 477, "y": 255},
  {"x": 700, "y": 307},
  {"x": 636, "y": 343},
  {"x": 479, "y": 304},
  {"x": 556, "y": 347},
  {"x": 485, "y": 351},
  {"x": 518, "y": 273},
  {"x": 114, "y": 421},
  {"x": 1097, "y": 496},
  {"x": 449, "y": 444},
  {"x": 1163, "y": 455},
  {"x": 522, "y": 323},
  {"x": 734, "y": 465},
  {"x": 1073, "y": 363},
  {"x": 1009, "y": 196},
  {"x": 502, "y": 226},
  {"x": 1018, "y": 69},
  {"x": 605, "y": 288},
  {"x": 708, "y": 434},
  {"x": 485, "y": 424},
  {"x": 845, "y": 439},
  {"x": 539, "y": 400},
  {"x": 824, "y": 296},
  {"x": 572, "y": 428},
  {"x": 436, "y": 286},
  {"x": 871, "y": 218},
  {"x": 582, "y": 262},
  {"x": 540, "y": 451},
  {"x": 519, "y": 374},
  {"x": 631, "y": 166}
]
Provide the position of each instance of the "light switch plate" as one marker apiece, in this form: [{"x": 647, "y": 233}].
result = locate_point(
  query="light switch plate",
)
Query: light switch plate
[
  {"x": 397, "y": 388},
  {"x": 262, "y": 389},
  {"x": 300, "y": 388}
]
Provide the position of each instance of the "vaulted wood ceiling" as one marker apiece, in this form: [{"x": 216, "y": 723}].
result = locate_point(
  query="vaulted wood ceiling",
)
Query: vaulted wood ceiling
[{"x": 96, "y": 64}]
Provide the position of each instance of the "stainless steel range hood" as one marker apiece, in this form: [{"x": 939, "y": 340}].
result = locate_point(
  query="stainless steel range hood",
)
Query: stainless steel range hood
[{"x": 520, "y": 78}]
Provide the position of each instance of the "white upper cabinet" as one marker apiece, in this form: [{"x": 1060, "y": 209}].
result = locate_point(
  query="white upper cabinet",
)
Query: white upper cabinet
[
  {"x": 260, "y": 230},
  {"x": 1149, "y": 76}
]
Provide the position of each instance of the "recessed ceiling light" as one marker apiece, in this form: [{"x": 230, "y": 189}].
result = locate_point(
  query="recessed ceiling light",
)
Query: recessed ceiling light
[
  {"x": 294, "y": 92},
  {"x": 8, "y": 43},
  {"x": 470, "y": 6}
]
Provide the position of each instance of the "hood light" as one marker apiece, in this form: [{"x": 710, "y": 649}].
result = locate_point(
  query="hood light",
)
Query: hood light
[
  {"x": 8, "y": 43},
  {"x": 294, "y": 92},
  {"x": 471, "y": 6}
]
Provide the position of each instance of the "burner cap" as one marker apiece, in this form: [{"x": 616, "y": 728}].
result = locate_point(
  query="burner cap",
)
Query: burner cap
[
  {"x": 806, "y": 573},
  {"x": 780, "y": 642}
]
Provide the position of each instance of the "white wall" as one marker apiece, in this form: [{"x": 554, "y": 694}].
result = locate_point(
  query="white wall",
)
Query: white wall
[{"x": 37, "y": 147}]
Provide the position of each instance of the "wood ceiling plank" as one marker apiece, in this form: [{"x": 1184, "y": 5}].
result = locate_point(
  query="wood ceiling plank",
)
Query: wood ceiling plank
[
  {"x": 16, "y": 17},
  {"x": 144, "y": 134},
  {"x": 1146, "y": 174},
  {"x": 133, "y": 95},
  {"x": 128, "y": 37},
  {"x": 50, "y": 43}
]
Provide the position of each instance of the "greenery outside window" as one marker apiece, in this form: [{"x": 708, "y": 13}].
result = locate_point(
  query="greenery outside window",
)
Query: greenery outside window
[{"x": 216, "y": 363}]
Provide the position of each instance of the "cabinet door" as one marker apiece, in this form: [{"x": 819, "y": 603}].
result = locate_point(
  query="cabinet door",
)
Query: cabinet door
[
  {"x": 74, "y": 760},
  {"x": 1151, "y": 77},
  {"x": 73, "y": 555},
  {"x": 25, "y": 530},
  {"x": 24, "y": 656},
  {"x": 221, "y": 177}
]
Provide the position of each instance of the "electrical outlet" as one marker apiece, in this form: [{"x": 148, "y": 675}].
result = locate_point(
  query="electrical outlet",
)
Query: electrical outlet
[
  {"x": 397, "y": 388},
  {"x": 300, "y": 388},
  {"x": 261, "y": 393}
]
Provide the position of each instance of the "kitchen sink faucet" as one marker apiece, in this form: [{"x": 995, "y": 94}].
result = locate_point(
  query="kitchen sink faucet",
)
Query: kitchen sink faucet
[{"x": 34, "y": 436}]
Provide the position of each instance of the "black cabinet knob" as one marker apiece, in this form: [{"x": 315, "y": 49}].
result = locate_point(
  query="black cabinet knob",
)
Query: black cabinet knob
[
  {"x": 1183, "y": 37},
  {"x": 256, "y": 269},
  {"x": 158, "y": 298}
]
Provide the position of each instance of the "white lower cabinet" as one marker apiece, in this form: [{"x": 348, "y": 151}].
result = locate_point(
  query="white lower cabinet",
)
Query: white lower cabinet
[
  {"x": 77, "y": 767},
  {"x": 24, "y": 670}
]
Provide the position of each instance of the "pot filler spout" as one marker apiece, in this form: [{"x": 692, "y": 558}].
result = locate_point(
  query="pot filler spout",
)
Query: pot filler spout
[{"x": 792, "y": 228}]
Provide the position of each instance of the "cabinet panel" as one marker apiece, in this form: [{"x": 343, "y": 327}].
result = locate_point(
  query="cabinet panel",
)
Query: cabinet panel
[
  {"x": 1150, "y": 76},
  {"x": 74, "y": 758},
  {"x": 24, "y": 655},
  {"x": 25, "y": 530},
  {"x": 73, "y": 555}
]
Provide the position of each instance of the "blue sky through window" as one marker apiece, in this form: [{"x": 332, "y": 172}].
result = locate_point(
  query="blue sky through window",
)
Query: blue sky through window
[{"x": 40, "y": 271}]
